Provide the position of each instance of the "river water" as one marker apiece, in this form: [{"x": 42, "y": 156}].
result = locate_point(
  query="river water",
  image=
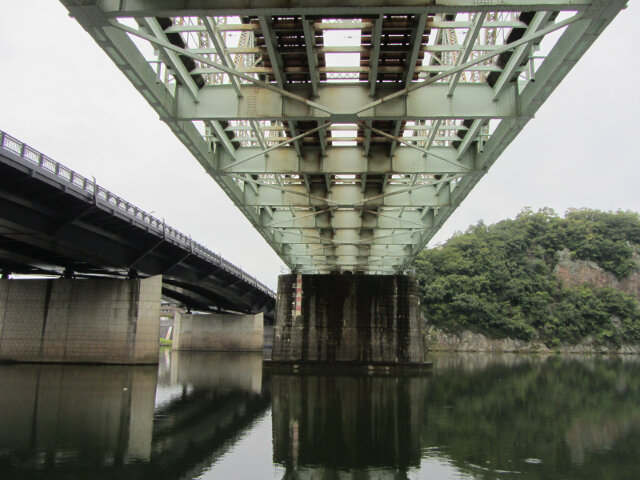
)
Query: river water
[{"x": 218, "y": 416}]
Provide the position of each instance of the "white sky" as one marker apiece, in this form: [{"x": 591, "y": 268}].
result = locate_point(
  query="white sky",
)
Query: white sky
[{"x": 61, "y": 94}]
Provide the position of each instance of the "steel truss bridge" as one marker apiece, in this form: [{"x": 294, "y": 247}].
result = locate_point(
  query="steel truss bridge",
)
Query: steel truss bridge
[{"x": 346, "y": 132}]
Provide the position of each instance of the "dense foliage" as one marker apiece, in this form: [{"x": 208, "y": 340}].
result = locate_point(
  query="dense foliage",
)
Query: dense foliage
[{"x": 499, "y": 280}]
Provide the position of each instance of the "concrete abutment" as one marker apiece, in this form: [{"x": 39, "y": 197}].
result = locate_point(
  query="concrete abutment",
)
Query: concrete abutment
[
  {"x": 343, "y": 320},
  {"x": 80, "y": 320}
]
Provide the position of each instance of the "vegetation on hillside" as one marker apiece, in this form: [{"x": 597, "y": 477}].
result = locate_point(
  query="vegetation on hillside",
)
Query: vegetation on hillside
[{"x": 499, "y": 280}]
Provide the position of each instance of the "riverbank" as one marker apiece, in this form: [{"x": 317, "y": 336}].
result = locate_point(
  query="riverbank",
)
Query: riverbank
[{"x": 467, "y": 341}]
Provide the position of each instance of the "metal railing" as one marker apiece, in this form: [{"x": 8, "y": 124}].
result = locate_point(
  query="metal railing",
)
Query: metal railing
[{"x": 103, "y": 196}]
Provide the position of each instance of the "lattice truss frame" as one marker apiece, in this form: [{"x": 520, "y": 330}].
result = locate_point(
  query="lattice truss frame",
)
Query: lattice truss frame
[{"x": 346, "y": 135}]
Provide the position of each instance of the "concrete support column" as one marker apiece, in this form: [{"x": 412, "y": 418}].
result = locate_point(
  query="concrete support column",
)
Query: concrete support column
[
  {"x": 218, "y": 332},
  {"x": 83, "y": 321},
  {"x": 348, "y": 319}
]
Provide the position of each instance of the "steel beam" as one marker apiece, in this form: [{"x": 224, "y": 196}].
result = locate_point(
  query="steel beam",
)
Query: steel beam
[
  {"x": 469, "y": 42},
  {"x": 219, "y": 102},
  {"x": 410, "y": 66},
  {"x": 312, "y": 56},
  {"x": 378, "y": 238},
  {"x": 367, "y": 219},
  {"x": 146, "y": 8},
  {"x": 172, "y": 59},
  {"x": 323, "y": 249},
  {"x": 345, "y": 160},
  {"x": 469, "y": 137},
  {"x": 519, "y": 54},
  {"x": 221, "y": 49},
  {"x": 376, "y": 33},
  {"x": 272, "y": 48},
  {"x": 345, "y": 196},
  {"x": 277, "y": 66}
]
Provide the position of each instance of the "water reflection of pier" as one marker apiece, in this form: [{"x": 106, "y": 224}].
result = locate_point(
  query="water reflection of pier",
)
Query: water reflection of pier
[
  {"x": 220, "y": 396},
  {"x": 56, "y": 415},
  {"x": 355, "y": 426},
  {"x": 69, "y": 419},
  {"x": 207, "y": 416}
]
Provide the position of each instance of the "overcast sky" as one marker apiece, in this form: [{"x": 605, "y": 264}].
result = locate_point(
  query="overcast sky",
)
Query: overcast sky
[{"x": 61, "y": 94}]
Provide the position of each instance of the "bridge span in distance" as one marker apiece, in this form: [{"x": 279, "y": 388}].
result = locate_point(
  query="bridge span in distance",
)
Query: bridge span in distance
[{"x": 54, "y": 221}]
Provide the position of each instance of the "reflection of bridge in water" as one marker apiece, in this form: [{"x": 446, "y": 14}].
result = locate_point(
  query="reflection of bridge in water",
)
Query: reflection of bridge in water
[
  {"x": 323, "y": 425},
  {"x": 66, "y": 419},
  {"x": 476, "y": 415},
  {"x": 219, "y": 398}
]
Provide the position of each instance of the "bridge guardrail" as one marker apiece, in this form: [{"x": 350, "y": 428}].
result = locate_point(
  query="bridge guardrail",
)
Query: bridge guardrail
[{"x": 95, "y": 191}]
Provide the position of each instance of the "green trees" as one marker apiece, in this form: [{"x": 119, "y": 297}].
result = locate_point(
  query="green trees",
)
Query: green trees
[{"x": 499, "y": 280}]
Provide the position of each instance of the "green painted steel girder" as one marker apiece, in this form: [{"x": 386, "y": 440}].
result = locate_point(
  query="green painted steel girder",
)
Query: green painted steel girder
[
  {"x": 349, "y": 218},
  {"x": 346, "y": 195},
  {"x": 351, "y": 238},
  {"x": 345, "y": 160},
  {"x": 219, "y": 102},
  {"x": 318, "y": 250},
  {"x": 148, "y": 8}
]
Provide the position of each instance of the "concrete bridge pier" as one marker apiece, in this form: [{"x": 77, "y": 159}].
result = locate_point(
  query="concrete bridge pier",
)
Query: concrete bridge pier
[
  {"x": 218, "y": 332},
  {"x": 80, "y": 320},
  {"x": 343, "y": 320}
]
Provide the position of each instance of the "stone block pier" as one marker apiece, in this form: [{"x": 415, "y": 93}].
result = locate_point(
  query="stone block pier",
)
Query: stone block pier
[
  {"x": 80, "y": 321},
  {"x": 348, "y": 320},
  {"x": 219, "y": 332}
]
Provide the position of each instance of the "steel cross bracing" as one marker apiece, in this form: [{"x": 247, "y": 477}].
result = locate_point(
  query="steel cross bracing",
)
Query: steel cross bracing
[{"x": 347, "y": 135}]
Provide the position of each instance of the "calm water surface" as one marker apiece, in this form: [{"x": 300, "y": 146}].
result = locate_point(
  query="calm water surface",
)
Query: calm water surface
[{"x": 217, "y": 416}]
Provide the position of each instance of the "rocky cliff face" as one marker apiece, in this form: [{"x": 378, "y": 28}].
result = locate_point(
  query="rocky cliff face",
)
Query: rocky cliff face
[
  {"x": 578, "y": 272},
  {"x": 571, "y": 273},
  {"x": 467, "y": 341}
]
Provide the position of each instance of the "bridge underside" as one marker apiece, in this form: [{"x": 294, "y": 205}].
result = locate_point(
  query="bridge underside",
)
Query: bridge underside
[
  {"x": 55, "y": 222},
  {"x": 347, "y": 135}
]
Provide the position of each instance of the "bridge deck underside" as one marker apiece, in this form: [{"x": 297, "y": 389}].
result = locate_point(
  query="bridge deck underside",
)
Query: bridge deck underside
[
  {"x": 52, "y": 220},
  {"x": 346, "y": 135}
]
